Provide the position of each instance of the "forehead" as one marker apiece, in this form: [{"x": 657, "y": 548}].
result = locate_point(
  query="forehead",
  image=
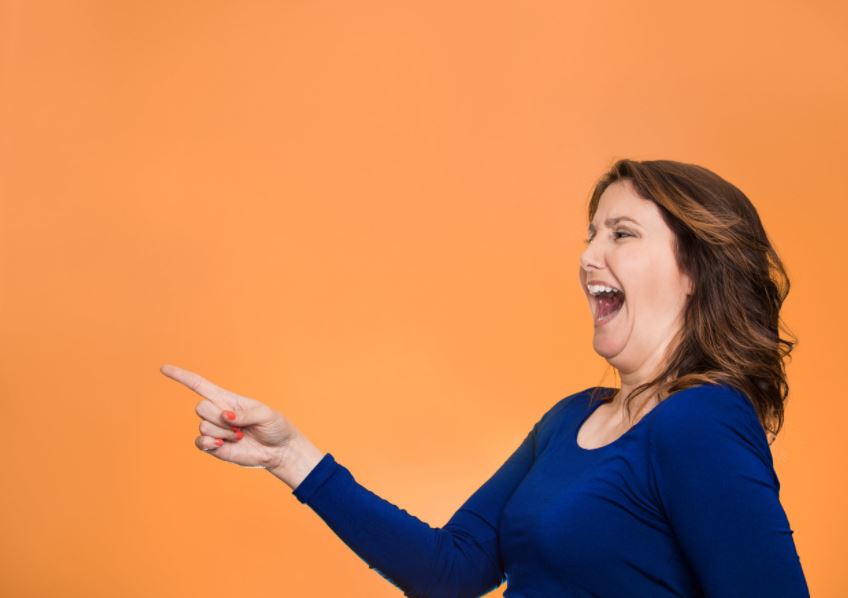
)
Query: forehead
[{"x": 620, "y": 201}]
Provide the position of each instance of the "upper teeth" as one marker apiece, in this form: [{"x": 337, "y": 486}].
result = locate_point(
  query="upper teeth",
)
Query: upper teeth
[{"x": 595, "y": 289}]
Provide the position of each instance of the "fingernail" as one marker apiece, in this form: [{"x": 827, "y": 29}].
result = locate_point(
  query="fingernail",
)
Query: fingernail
[
  {"x": 219, "y": 442},
  {"x": 239, "y": 435},
  {"x": 234, "y": 428},
  {"x": 229, "y": 415}
]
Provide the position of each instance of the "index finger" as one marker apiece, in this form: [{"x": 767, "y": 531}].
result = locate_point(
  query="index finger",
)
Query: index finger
[{"x": 219, "y": 396}]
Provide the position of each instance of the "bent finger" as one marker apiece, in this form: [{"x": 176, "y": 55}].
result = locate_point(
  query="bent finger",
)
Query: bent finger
[
  {"x": 208, "y": 428},
  {"x": 208, "y": 443},
  {"x": 208, "y": 410},
  {"x": 221, "y": 417}
]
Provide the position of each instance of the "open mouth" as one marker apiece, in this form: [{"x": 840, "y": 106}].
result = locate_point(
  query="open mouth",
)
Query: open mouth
[{"x": 606, "y": 304}]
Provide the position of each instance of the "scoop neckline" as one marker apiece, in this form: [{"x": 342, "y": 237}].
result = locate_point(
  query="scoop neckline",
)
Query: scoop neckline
[{"x": 617, "y": 440}]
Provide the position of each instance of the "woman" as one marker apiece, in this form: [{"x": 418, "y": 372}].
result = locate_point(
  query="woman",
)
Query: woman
[{"x": 662, "y": 487}]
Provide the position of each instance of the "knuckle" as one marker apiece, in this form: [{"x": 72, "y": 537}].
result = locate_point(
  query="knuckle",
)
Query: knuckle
[{"x": 205, "y": 443}]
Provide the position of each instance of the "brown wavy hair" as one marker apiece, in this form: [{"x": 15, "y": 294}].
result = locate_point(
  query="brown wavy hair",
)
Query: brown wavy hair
[{"x": 732, "y": 326}]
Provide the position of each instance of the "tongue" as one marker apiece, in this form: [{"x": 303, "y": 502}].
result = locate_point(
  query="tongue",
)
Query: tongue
[{"x": 608, "y": 305}]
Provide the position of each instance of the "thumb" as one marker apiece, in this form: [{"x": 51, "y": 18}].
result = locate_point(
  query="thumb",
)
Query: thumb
[{"x": 247, "y": 416}]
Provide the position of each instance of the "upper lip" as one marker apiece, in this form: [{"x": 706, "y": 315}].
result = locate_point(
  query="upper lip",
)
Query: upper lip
[{"x": 606, "y": 284}]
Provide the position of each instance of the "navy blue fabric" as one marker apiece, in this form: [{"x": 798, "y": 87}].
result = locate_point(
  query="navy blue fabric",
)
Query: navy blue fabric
[{"x": 685, "y": 503}]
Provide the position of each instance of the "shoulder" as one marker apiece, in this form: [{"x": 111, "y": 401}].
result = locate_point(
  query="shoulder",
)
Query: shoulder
[
  {"x": 709, "y": 418},
  {"x": 707, "y": 400},
  {"x": 706, "y": 404},
  {"x": 573, "y": 403}
]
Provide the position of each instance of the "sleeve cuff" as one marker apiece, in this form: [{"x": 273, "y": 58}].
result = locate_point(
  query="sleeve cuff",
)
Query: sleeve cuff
[{"x": 316, "y": 478}]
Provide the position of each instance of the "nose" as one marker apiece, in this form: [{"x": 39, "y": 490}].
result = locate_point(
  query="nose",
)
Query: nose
[{"x": 590, "y": 259}]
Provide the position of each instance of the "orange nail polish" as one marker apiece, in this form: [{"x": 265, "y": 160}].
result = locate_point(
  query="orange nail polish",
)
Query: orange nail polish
[
  {"x": 229, "y": 415},
  {"x": 219, "y": 442},
  {"x": 239, "y": 435}
]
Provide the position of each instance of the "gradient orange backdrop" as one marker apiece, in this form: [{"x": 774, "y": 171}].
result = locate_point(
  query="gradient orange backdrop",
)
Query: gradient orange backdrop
[{"x": 368, "y": 215}]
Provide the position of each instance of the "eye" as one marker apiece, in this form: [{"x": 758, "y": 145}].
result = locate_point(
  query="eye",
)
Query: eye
[{"x": 615, "y": 235}]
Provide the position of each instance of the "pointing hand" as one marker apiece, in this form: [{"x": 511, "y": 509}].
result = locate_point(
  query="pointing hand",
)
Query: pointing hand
[{"x": 235, "y": 428}]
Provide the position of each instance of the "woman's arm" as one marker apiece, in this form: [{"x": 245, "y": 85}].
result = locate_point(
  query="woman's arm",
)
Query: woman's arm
[
  {"x": 716, "y": 483},
  {"x": 459, "y": 559}
]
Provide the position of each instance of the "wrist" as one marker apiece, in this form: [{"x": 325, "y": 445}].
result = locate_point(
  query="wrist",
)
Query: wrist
[{"x": 297, "y": 459}]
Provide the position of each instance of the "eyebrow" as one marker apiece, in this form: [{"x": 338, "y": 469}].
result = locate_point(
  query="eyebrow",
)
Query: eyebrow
[{"x": 612, "y": 221}]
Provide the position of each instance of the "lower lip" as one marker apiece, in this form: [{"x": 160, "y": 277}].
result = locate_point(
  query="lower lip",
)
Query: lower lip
[{"x": 609, "y": 318}]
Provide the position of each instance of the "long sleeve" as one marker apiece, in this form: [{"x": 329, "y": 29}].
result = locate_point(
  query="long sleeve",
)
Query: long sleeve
[
  {"x": 714, "y": 477},
  {"x": 459, "y": 559}
]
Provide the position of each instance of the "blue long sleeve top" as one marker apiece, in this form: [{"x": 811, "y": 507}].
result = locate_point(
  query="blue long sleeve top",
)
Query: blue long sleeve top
[{"x": 685, "y": 503}]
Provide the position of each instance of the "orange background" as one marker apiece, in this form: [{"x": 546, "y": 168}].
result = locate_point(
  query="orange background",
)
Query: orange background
[{"x": 368, "y": 215}]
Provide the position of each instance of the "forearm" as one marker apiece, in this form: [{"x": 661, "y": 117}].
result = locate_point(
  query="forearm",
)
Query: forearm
[
  {"x": 298, "y": 458},
  {"x": 457, "y": 560}
]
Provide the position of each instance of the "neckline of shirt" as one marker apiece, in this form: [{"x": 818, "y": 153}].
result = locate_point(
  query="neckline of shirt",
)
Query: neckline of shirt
[{"x": 582, "y": 421}]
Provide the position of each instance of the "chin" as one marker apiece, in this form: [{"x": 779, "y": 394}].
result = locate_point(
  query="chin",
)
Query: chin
[{"x": 607, "y": 350}]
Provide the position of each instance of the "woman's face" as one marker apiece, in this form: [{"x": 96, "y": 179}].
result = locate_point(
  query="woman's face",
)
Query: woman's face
[{"x": 630, "y": 248}]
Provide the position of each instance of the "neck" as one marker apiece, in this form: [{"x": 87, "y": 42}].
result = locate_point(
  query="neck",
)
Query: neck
[
  {"x": 644, "y": 400},
  {"x": 636, "y": 375}
]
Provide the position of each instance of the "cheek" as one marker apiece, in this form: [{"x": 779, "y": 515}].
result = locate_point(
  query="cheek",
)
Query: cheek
[{"x": 655, "y": 286}]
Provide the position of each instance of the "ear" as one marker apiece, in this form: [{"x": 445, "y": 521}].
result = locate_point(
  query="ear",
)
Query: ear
[
  {"x": 690, "y": 286},
  {"x": 688, "y": 283}
]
